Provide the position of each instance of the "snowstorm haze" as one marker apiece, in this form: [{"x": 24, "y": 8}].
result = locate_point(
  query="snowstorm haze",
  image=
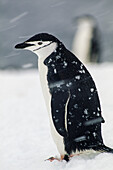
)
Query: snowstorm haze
[{"x": 19, "y": 20}]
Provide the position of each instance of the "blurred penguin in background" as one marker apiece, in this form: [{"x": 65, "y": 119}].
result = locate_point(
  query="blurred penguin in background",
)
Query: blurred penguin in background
[{"x": 86, "y": 43}]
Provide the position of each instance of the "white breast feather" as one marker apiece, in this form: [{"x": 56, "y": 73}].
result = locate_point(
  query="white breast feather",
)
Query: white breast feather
[{"x": 44, "y": 53}]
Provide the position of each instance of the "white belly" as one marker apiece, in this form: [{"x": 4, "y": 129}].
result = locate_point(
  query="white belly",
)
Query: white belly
[{"x": 58, "y": 139}]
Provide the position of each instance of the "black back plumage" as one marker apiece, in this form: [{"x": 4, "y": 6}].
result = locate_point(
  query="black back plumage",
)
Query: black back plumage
[{"x": 75, "y": 105}]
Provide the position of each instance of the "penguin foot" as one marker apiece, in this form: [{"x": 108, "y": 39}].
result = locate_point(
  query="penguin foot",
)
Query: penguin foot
[
  {"x": 68, "y": 157},
  {"x": 51, "y": 159},
  {"x": 62, "y": 157}
]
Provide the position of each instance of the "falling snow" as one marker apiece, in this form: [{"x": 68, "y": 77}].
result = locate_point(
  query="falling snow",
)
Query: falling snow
[
  {"x": 77, "y": 77},
  {"x": 56, "y": 120},
  {"x": 86, "y": 111},
  {"x": 98, "y": 108},
  {"x": 70, "y": 113},
  {"x": 79, "y": 89},
  {"x": 94, "y": 134},
  {"x": 55, "y": 71},
  {"x": 81, "y": 66},
  {"x": 81, "y": 71},
  {"x": 79, "y": 139},
  {"x": 98, "y": 114},
  {"x": 69, "y": 84},
  {"x": 65, "y": 64},
  {"x": 50, "y": 60},
  {"x": 69, "y": 123},
  {"x": 53, "y": 65},
  {"x": 92, "y": 89},
  {"x": 15, "y": 19},
  {"x": 93, "y": 121},
  {"x": 58, "y": 57},
  {"x": 29, "y": 65},
  {"x": 57, "y": 84},
  {"x": 74, "y": 62},
  {"x": 73, "y": 95},
  {"x": 75, "y": 106}
]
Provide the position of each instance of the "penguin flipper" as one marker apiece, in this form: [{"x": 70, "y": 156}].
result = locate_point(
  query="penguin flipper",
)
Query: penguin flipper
[{"x": 58, "y": 104}]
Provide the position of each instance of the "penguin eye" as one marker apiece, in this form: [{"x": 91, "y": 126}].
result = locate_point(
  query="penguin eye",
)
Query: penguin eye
[{"x": 40, "y": 43}]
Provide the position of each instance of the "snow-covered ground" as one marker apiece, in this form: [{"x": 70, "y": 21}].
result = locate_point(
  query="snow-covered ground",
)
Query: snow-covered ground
[{"x": 25, "y": 139}]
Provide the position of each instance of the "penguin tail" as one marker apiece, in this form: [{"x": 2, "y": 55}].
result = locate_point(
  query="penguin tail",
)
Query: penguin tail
[{"x": 104, "y": 148}]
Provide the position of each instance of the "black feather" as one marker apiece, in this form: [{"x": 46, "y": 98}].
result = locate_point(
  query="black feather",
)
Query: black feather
[{"x": 69, "y": 79}]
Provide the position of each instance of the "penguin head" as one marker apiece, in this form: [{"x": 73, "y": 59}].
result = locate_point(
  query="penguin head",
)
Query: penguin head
[
  {"x": 41, "y": 44},
  {"x": 85, "y": 21}
]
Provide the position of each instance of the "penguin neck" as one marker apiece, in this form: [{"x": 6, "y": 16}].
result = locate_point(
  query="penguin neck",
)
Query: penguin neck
[
  {"x": 43, "y": 70},
  {"x": 57, "y": 54},
  {"x": 50, "y": 52},
  {"x": 43, "y": 53}
]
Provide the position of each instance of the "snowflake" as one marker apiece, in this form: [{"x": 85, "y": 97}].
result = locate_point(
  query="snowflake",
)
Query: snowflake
[
  {"x": 75, "y": 106},
  {"x": 77, "y": 77},
  {"x": 86, "y": 111},
  {"x": 55, "y": 71},
  {"x": 92, "y": 89}
]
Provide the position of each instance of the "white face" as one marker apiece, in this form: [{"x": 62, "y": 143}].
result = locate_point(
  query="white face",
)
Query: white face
[{"x": 42, "y": 48}]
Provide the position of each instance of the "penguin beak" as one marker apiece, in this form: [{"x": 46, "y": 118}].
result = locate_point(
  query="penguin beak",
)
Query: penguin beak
[{"x": 23, "y": 45}]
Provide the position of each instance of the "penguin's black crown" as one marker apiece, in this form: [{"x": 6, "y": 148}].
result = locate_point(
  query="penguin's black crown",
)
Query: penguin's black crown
[
  {"x": 43, "y": 37},
  {"x": 38, "y": 37}
]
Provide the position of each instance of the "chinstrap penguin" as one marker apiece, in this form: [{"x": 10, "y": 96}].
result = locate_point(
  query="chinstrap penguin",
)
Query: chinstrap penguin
[
  {"x": 71, "y": 97},
  {"x": 87, "y": 40}
]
